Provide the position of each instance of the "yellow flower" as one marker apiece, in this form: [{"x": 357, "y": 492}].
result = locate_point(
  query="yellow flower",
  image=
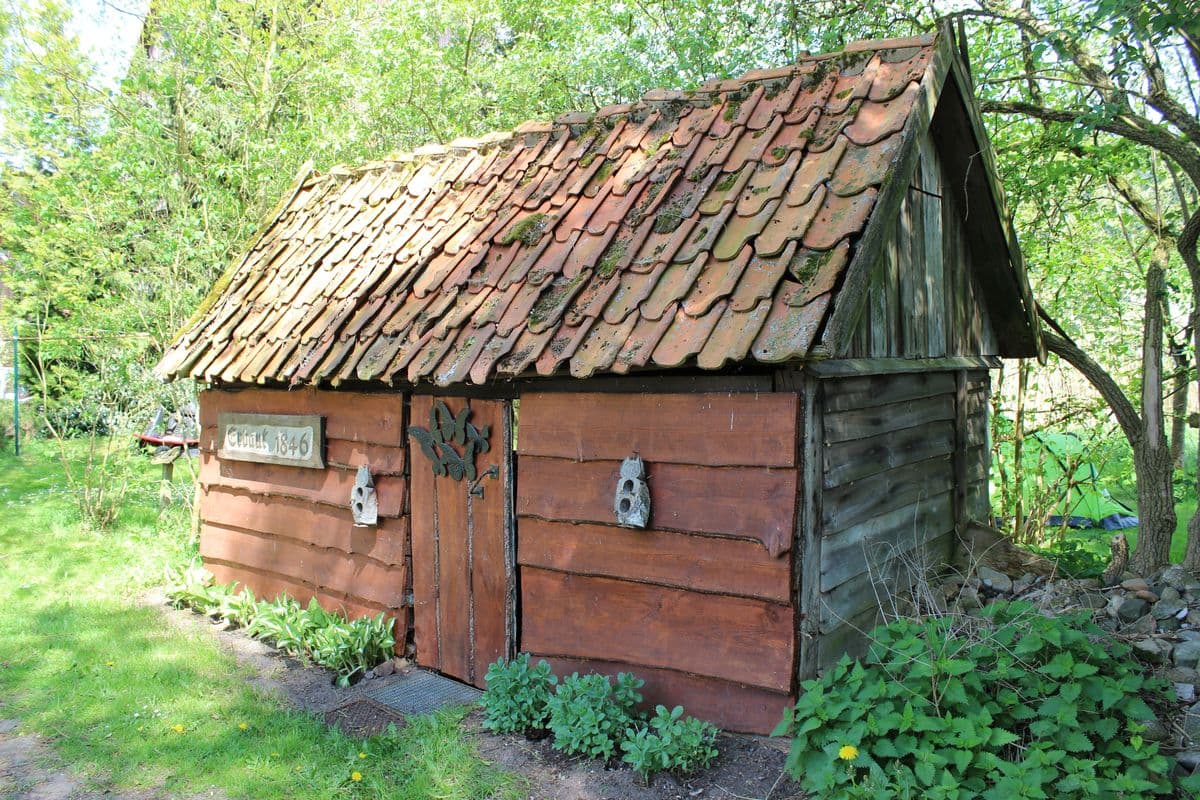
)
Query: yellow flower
[
  {"x": 362, "y": 755},
  {"x": 109, "y": 663},
  {"x": 177, "y": 728},
  {"x": 274, "y": 755},
  {"x": 356, "y": 776},
  {"x": 242, "y": 726},
  {"x": 848, "y": 752}
]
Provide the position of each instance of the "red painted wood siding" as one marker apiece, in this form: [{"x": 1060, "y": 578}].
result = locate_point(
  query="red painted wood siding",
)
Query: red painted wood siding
[
  {"x": 700, "y": 605},
  {"x": 280, "y": 529}
]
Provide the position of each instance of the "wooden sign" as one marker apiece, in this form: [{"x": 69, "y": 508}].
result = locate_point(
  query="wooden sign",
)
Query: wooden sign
[{"x": 293, "y": 440}]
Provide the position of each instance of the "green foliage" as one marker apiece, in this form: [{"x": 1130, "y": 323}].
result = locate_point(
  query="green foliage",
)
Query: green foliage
[
  {"x": 1078, "y": 558},
  {"x": 589, "y": 715},
  {"x": 669, "y": 741},
  {"x": 327, "y": 638},
  {"x": 1009, "y": 704},
  {"x": 517, "y": 699}
]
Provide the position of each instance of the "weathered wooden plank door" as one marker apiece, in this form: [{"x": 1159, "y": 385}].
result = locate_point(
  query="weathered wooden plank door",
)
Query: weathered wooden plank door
[{"x": 462, "y": 534}]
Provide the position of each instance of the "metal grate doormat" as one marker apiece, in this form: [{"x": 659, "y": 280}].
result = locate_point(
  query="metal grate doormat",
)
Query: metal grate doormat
[{"x": 421, "y": 692}]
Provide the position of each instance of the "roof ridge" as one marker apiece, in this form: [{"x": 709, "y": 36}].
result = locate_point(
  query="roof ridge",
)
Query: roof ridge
[{"x": 650, "y": 99}]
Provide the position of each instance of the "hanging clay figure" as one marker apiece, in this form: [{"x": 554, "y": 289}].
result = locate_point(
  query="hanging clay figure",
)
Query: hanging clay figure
[{"x": 632, "y": 503}]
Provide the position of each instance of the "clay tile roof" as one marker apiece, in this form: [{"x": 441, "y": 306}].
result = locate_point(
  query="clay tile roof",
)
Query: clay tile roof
[{"x": 690, "y": 228}]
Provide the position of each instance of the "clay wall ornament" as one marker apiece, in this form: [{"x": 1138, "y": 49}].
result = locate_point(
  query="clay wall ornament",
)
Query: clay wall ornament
[{"x": 632, "y": 502}]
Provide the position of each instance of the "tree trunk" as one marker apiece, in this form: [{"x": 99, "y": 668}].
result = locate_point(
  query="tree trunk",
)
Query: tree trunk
[
  {"x": 1151, "y": 453},
  {"x": 1180, "y": 388},
  {"x": 1019, "y": 524}
]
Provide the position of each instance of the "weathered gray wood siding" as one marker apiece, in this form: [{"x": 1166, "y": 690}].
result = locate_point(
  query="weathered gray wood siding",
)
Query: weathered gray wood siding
[
  {"x": 923, "y": 301},
  {"x": 889, "y": 502}
]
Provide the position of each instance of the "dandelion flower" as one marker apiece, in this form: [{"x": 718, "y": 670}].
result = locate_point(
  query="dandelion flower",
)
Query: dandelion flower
[
  {"x": 177, "y": 728},
  {"x": 356, "y": 776},
  {"x": 109, "y": 663},
  {"x": 242, "y": 726},
  {"x": 848, "y": 752},
  {"x": 362, "y": 755}
]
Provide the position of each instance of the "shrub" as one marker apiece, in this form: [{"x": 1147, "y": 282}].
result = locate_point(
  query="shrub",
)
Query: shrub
[
  {"x": 517, "y": 699},
  {"x": 1009, "y": 704},
  {"x": 670, "y": 742},
  {"x": 589, "y": 715}
]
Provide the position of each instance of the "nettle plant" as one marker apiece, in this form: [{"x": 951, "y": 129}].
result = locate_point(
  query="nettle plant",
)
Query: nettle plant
[
  {"x": 589, "y": 715},
  {"x": 1004, "y": 705},
  {"x": 518, "y": 694},
  {"x": 669, "y": 741}
]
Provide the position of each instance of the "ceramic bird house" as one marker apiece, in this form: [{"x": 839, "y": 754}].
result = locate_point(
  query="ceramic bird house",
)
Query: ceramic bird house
[
  {"x": 364, "y": 504},
  {"x": 632, "y": 502}
]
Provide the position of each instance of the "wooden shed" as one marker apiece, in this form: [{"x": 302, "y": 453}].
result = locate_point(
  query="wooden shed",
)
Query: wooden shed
[{"x": 430, "y": 380}]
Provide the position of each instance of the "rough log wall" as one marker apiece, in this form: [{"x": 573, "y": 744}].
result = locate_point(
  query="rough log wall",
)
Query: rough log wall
[
  {"x": 888, "y": 506},
  {"x": 699, "y": 605},
  {"x": 280, "y": 529}
]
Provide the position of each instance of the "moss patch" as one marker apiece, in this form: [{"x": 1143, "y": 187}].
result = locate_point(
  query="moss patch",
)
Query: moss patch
[
  {"x": 528, "y": 231},
  {"x": 612, "y": 256}
]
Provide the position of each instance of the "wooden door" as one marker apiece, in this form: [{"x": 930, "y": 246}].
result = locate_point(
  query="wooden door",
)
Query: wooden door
[{"x": 462, "y": 534}]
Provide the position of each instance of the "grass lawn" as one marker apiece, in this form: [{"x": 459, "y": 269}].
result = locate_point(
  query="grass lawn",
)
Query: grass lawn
[{"x": 126, "y": 700}]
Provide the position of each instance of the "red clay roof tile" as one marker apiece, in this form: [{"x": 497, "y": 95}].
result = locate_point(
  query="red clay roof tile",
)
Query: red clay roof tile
[{"x": 711, "y": 226}]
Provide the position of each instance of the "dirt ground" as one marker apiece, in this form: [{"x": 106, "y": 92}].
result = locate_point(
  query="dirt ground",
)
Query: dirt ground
[{"x": 749, "y": 767}]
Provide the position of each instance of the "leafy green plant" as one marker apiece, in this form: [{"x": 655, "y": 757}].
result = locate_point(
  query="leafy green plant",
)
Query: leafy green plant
[
  {"x": 589, "y": 714},
  {"x": 669, "y": 741},
  {"x": 1077, "y": 558},
  {"x": 518, "y": 695},
  {"x": 347, "y": 647},
  {"x": 1009, "y": 704}
]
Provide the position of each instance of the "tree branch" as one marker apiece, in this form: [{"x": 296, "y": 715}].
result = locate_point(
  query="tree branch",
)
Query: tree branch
[{"x": 1126, "y": 415}]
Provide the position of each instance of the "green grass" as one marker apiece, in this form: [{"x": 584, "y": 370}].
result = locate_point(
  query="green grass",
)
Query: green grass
[{"x": 107, "y": 680}]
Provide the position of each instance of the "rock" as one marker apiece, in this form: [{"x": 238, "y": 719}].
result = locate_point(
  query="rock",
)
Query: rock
[
  {"x": 1191, "y": 723},
  {"x": 968, "y": 599},
  {"x": 1155, "y": 731},
  {"x": 1170, "y": 593},
  {"x": 1093, "y": 601},
  {"x": 951, "y": 588},
  {"x": 1132, "y": 609},
  {"x": 385, "y": 669},
  {"x": 1169, "y": 625},
  {"x": 1182, "y": 675},
  {"x": 1021, "y": 586},
  {"x": 1185, "y": 692},
  {"x": 1114, "y": 605},
  {"x": 1088, "y": 583},
  {"x": 401, "y": 663},
  {"x": 1135, "y": 585},
  {"x": 1189, "y": 760},
  {"x": 1186, "y": 654},
  {"x": 996, "y": 581},
  {"x": 1167, "y": 608},
  {"x": 1176, "y": 577},
  {"x": 1188, "y": 636},
  {"x": 1147, "y": 595},
  {"x": 1152, "y": 651},
  {"x": 1142, "y": 626},
  {"x": 1193, "y": 618}
]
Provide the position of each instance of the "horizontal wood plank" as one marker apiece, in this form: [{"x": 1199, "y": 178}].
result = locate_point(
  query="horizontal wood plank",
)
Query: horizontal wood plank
[
  {"x": 854, "y": 502},
  {"x": 353, "y": 575},
  {"x": 744, "y": 502},
  {"x": 701, "y": 563},
  {"x": 718, "y": 430},
  {"x": 874, "y": 390},
  {"x": 382, "y": 459},
  {"x": 848, "y": 599},
  {"x": 849, "y": 367},
  {"x": 858, "y": 458},
  {"x": 851, "y": 638},
  {"x": 331, "y": 486},
  {"x": 732, "y": 638},
  {"x": 866, "y": 422},
  {"x": 729, "y": 706},
  {"x": 309, "y": 523},
  {"x": 270, "y": 586},
  {"x": 850, "y": 552},
  {"x": 351, "y": 416}
]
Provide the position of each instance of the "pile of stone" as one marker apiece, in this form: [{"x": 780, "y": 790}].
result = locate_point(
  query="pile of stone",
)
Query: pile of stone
[{"x": 1158, "y": 616}]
